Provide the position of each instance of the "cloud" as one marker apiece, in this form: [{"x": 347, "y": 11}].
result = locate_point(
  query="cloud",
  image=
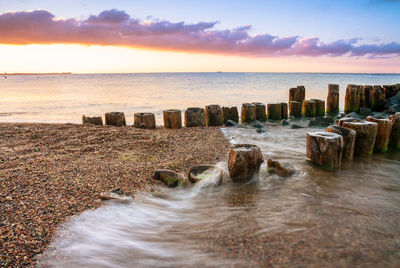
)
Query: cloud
[{"x": 117, "y": 28}]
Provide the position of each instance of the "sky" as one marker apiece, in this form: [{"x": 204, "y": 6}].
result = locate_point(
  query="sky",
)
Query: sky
[{"x": 88, "y": 36}]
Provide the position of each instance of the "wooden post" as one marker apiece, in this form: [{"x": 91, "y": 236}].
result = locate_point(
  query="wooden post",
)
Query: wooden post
[
  {"x": 341, "y": 121},
  {"x": 390, "y": 91},
  {"x": 172, "y": 118},
  {"x": 349, "y": 139},
  {"x": 214, "y": 115},
  {"x": 261, "y": 113},
  {"x": 366, "y": 97},
  {"x": 284, "y": 112},
  {"x": 96, "y": 120},
  {"x": 248, "y": 113},
  {"x": 365, "y": 136},
  {"x": 383, "y": 135},
  {"x": 297, "y": 94},
  {"x": 195, "y": 117},
  {"x": 325, "y": 149},
  {"x": 332, "y": 101},
  {"x": 274, "y": 111},
  {"x": 378, "y": 97},
  {"x": 352, "y": 98},
  {"x": 115, "y": 119},
  {"x": 230, "y": 113},
  {"x": 295, "y": 108},
  {"x": 395, "y": 133},
  {"x": 144, "y": 120},
  {"x": 319, "y": 107},
  {"x": 244, "y": 162},
  {"x": 309, "y": 108}
]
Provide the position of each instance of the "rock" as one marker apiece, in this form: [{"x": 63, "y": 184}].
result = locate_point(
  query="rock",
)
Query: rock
[
  {"x": 383, "y": 134},
  {"x": 115, "y": 194},
  {"x": 275, "y": 167},
  {"x": 366, "y": 97},
  {"x": 378, "y": 98},
  {"x": 365, "y": 111},
  {"x": 244, "y": 162},
  {"x": 260, "y": 130},
  {"x": 284, "y": 112},
  {"x": 295, "y": 108},
  {"x": 353, "y": 98},
  {"x": 199, "y": 173},
  {"x": 365, "y": 136},
  {"x": 347, "y": 119},
  {"x": 195, "y": 117},
  {"x": 96, "y": 120},
  {"x": 231, "y": 123},
  {"x": 261, "y": 113},
  {"x": 214, "y": 115},
  {"x": 325, "y": 149},
  {"x": 294, "y": 126},
  {"x": 321, "y": 122},
  {"x": 309, "y": 108},
  {"x": 256, "y": 124},
  {"x": 115, "y": 119},
  {"x": 332, "y": 101},
  {"x": 395, "y": 108},
  {"x": 274, "y": 111},
  {"x": 170, "y": 178},
  {"x": 284, "y": 122},
  {"x": 172, "y": 118},
  {"x": 395, "y": 132},
  {"x": 392, "y": 103},
  {"x": 349, "y": 139},
  {"x": 297, "y": 94},
  {"x": 319, "y": 107},
  {"x": 390, "y": 90},
  {"x": 230, "y": 114},
  {"x": 352, "y": 115},
  {"x": 144, "y": 120},
  {"x": 248, "y": 113}
]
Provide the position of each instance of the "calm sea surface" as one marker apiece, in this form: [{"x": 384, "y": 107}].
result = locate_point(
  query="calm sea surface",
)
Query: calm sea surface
[{"x": 65, "y": 98}]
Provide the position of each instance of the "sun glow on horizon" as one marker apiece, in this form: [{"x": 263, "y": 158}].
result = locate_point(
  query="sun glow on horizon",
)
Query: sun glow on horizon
[{"x": 112, "y": 59}]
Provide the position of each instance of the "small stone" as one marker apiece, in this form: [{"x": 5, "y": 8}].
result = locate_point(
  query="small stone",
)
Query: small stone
[
  {"x": 294, "y": 126},
  {"x": 274, "y": 167},
  {"x": 260, "y": 130},
  {"x": 365, "y": 111},
  {"x": 231, "y": 123},
  {"x": 321, "y": 122},
  {"x": 284, "y": 122},
  {"x": 256, "y": 124},
  {"x": 170, "y": 178},
  {"x": 353, "y": 115}
]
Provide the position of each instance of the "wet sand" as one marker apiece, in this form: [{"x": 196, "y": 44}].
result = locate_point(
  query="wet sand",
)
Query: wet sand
[{"x": 50, "y": 172}]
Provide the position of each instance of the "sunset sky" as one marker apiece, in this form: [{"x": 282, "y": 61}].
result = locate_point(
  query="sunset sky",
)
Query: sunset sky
[{"x": 91, "y": 36}]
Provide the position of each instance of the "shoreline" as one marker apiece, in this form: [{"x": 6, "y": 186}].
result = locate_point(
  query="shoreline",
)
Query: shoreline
[{"x": 50, "y": 172}]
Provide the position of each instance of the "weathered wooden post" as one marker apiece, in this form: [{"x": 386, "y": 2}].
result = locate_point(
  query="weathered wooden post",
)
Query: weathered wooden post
[
  {"x": 378, "y": 97},
  {"x": 96, "y": 120},
  {"x": 248, "y": 113},
  {"x": 144, "y": 120},
  {"x": 341, "y": 121},
  {"x": 172, "y": 118},
  {"x": 297, "y": 94},
  {"x": 284, "y": 112},
  {"x": 395, "y": 133},
  {"x": 115, "y": 119},
  {"x": 295, "y": 108},
  {"x": 349, "y": 139},
  {"x": 332, "y": 101},
  {"x": 214, "y": 115},
  {"x": 319, "y": 107},
  {"x": 366, "y": 97},
  {"x": 195, "y": 117},
  {"x": 325, "y": 149},
  {"x": 383, "y": 134},
  {"x": 244, "y": 162},
  {"x": 352, "y": 98},
  {"x": 230, "y": 113},
  {"x": 274, "y": 111},
  {"x": 365, "y": 136},
  {"x": 261, "y": 113},
  {"x": 309, "y": 108}
]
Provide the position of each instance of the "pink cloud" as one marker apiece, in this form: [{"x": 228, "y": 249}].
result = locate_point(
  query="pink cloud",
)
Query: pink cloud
[{"x": 117, "y": 28}]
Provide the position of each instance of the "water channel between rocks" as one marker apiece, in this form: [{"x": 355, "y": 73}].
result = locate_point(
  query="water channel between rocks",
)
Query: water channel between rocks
[{"x": 311, "y": 218}]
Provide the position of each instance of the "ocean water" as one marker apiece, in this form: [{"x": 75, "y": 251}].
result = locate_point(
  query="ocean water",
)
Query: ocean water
[{"x": 65, "y": 98}]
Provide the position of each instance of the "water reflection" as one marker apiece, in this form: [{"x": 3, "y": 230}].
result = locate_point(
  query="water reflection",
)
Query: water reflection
[{"x": 313, "y": 218}]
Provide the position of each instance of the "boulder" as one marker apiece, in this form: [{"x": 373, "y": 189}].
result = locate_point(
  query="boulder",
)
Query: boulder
[
  {"x": 96, "y": 120},
  {"x": 390, "y": 90},
  {"x": 321, "y": 122},
  {"x": 195, "y": 117},
  {"x": 209, "y": 172},
  {"x": 274, "y": 167},
  {"x": 230, "y": 114},
  {"x": 349, "y": 139},
  {"x": 244, "y": 162},
  {"x": 214, "y": 115},
  {"x": 325, "y": 149},
  {"x": 144, "y": 120},
  {"x": 170, "y": 178},
  {"x": 115, "y": 119}
]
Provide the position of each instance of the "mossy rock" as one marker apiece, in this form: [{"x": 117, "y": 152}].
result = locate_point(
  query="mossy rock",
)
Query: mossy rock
[
  {"x": 199, "y": 173},
  {"x": 170, "y": 178}
]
